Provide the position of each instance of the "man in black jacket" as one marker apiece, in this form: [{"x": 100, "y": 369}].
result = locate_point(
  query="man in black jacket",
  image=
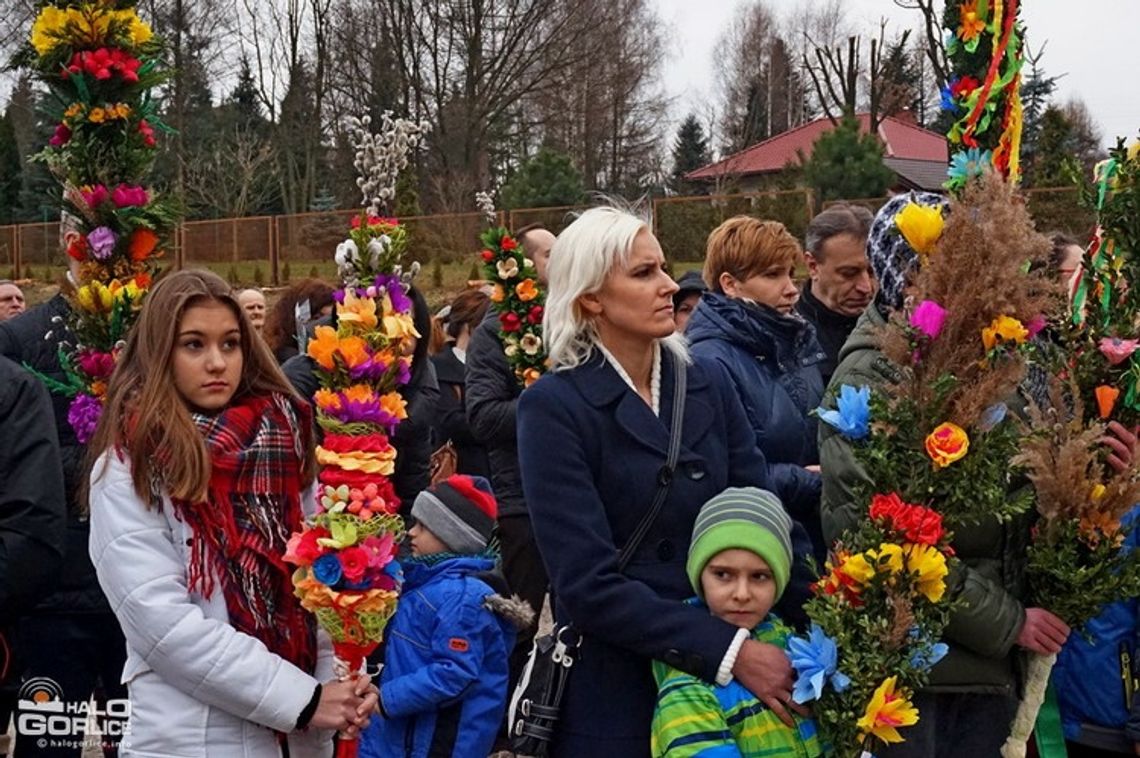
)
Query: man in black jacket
[
  {"x": 70, "y": 635},
  {"x": 32, "y": 509},
  {"x": 492, "y": 397},
  {"x": 841, "y": 284}
]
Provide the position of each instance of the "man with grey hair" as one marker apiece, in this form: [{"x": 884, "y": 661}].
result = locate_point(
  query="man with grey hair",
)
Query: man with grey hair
[
  {"x": 841, "y": 284},
  {"x": 12, "y": 302}
]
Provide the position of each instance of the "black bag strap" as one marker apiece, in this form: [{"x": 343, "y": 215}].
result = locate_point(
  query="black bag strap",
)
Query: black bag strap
[{"x": 665, "y": 475}]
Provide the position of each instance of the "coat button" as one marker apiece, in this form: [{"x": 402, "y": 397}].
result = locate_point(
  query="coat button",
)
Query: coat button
[
  {"x": 665, "y": 550},
  {"x": 696, "y": 471}
]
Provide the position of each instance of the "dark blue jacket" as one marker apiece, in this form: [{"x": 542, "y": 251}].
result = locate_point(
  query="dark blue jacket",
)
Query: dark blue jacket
[
  {"x": 774, "y": 363},
  {"x": 443, "y": 689},
  {"x": 590, "y": 450},
  {"x": 1089, "y": 680}
]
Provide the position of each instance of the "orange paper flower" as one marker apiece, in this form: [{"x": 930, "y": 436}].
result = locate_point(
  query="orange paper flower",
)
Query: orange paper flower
[
  {"x": 353, "y": 350},
  {"x": 1106, "y": 399},
  {"x": 526, "y": 290},
  {"x": 142, "y": 244},
  {"x": 946, "y": 444},
  {"x": 497, "y": 294},
  {"x": 356, "y": 310},
  {"x": 970, "y": 23},
  {"x": 323, "y": 347}
]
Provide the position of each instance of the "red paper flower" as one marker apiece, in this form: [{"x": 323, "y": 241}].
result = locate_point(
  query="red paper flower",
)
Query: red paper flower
[
  {"x": 508, "y": 243},
  {"x": 487, "y": 255},
  {"x": 302, "y": 548},
  {"x": 535, "y": 315},
  {"x": 964, "y": 86},
  {"x": 61, "y": 137},
  {"x": 510, "y": 321},
  {"x": 353, "y": 562},
  {"x": 147, "y": 132}
]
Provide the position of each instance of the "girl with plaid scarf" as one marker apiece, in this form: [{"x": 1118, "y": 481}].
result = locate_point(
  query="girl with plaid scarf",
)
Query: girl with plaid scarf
[{"x": 203, "y": 466}]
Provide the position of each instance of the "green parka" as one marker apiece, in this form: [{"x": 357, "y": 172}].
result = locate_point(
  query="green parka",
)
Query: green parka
[{"x": 990, "y": 579}]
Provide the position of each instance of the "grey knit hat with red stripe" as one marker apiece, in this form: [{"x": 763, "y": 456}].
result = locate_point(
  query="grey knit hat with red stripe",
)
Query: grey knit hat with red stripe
[{"x": 460, "y": 511}]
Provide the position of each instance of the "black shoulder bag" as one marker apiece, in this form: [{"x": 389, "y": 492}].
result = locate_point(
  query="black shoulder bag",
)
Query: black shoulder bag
[{"x": 537, "y": 699}]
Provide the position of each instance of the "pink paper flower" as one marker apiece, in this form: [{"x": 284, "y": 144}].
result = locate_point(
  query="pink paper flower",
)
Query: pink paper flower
[
  {"x": 95, "y": 364},
  {"x": 1035, "y": 325},
  {"x": 1117, "y": 350},
  {"x": 129, "y": 194},
  {"x": 61, "y": 137},
  {"x": 94, "y": 195},
  {"x": 928, "y": 318}
]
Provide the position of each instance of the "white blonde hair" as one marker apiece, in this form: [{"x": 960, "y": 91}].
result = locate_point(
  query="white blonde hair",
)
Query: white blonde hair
[{"x": 596, "y": 243}]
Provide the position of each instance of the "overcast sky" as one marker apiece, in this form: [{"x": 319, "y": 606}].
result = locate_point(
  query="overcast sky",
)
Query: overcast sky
[{"x": 1094, "y": 41}]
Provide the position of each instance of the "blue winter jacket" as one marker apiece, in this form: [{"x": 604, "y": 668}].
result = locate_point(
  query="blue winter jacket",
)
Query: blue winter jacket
[
  {"x": 1089, "y": 680},
  {"x": 774, "y": 361},
  {"x": 443, "y": 689}
]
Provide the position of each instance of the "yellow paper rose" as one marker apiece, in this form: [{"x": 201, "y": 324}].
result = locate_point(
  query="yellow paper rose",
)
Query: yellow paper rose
[
  {"x": 928, "y": 564},
  {"x": 920, "y": 226},
  {"x": 946, "y": 444},
  {"x": 889, "y": 709},
  {"x": 1004, "y": 329}
]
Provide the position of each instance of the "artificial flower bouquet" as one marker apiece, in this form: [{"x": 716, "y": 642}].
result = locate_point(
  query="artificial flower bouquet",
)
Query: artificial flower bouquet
[
  {"x": 347, "y": 573},
  {"x": 517, "y": 298},
  {"x": 1076, "y": 564},
  {"x": 942, "y": 434},
  {"x": 984, "y": 41},
  {"x": 877, "y": 614},
  {"x": 1103, "y": 333},
  {"x": 100, "y": 61},
  {"x": 937, "y": 444}
]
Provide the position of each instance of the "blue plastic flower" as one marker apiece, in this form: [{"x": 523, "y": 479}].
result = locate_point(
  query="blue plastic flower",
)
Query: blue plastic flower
[
  {"x": 327, "y": 569},
  {"x": 852, "y": 416},
  {"x": 967, "y": 164},
  {"x": 992, "y": 416},
  {"x": 816, "y": 660},
  {"x": 948, "y": 103}
]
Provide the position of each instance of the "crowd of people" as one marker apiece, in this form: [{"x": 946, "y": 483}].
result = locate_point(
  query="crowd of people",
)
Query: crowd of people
[{"x": 146, "y": 565}]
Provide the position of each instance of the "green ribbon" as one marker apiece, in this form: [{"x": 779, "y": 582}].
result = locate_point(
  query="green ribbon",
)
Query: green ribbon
[{"x": 1047, "y": 731}]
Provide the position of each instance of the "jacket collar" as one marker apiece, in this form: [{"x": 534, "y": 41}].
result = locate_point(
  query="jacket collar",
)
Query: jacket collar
[
  {"x": 601, "y": 386},
  {"x": 417, "y": 573},
  {"x": 759, "y": 330},
  {"x": 814, "y": 310}
]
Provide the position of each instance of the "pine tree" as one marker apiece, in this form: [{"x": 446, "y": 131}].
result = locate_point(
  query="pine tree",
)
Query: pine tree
[
  {"x": 11, "y": 174},
  {"x": 1036, "y": 91},
  {"x": 847, "y": 165},
  {"x": 244, "y": 99},
  {"x": 690, "y": 152},
  {"x": 548, "y": 179},
  {"x": 1054, "y": 155}
]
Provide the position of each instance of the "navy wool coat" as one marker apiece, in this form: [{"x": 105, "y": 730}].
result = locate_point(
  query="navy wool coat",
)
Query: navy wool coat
[{"x": 590, "y": 451}]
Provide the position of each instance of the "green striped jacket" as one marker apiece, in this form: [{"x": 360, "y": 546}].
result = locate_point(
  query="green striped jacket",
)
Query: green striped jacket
[{"x": 694, "y": 718}]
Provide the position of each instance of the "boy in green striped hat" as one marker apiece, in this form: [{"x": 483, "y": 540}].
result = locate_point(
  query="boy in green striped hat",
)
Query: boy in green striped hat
[{"x": 739, "y": 563}]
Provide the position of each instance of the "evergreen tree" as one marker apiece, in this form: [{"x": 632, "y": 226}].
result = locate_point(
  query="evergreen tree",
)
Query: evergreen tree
[
  {"x": 1054, "y": 156},
  {"x": 548, "y": 179},
  {"x": 244, "y": 101},
  {"x": 847, "y": 165},
  {"x": 11, "y": 174},
  {"x": 690, "y": 152},
  {"x": 1036, "y": 91}
]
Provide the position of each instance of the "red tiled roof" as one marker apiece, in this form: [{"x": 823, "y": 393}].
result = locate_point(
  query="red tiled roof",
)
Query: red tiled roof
[{"x": 900, "y": 138}]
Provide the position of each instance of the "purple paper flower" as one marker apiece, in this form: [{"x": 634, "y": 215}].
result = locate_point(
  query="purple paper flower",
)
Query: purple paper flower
[
  {"x": 355, "y": 411},
  {"x": 102, "y": 241},
  {"x": 83, "y": 415},
  {"x": 928, "y": 318}
]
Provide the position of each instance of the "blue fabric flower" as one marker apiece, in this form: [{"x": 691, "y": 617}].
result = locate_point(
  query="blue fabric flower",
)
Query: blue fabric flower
[
  {"x": 967, "y": 164},
  {"x": 816, "y": 660},
  {"x": 852, "y": 416},
  {"x": 926, "y": 657},
  {"x": 327, "y": 569}
]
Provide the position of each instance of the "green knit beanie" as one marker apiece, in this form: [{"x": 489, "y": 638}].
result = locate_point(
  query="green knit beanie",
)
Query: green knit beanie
[{"x": 747, "y": 518}]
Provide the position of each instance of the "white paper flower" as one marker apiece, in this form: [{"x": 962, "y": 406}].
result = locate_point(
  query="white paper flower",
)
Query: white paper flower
[
  {"x": 511, "y": 350},
  {"x": 346, "y": 254},
  {"x": 508, "y": 268},
  {"x": 531, "y": 344}
]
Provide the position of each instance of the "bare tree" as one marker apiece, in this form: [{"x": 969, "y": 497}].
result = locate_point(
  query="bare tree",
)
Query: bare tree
[
  {"x": 932, "y": 37},
  {"x": 232, "y": 176}
]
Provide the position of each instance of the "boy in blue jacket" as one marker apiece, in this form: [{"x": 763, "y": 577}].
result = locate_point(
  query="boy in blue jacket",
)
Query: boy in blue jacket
[{"x": 443, "y": 688}]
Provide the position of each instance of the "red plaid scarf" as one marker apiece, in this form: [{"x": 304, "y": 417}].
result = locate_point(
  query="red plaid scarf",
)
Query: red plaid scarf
[{"x": 256, "y": 447}]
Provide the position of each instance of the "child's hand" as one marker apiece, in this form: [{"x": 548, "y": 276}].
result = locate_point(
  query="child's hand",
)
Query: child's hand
[{"x": 767, "y": 673}]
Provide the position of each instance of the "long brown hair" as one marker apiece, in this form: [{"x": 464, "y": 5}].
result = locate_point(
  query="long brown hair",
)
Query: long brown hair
[
  {"x": 146, "y": 418},
  {"x": 280, "y": 326}
]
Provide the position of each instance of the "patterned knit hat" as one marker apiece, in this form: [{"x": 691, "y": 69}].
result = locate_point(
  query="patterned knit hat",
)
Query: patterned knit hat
[
  {"x": 460, "y": 511},
  {"x": 892, "y": 259},
  {"x": 747, "y": 518}
]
